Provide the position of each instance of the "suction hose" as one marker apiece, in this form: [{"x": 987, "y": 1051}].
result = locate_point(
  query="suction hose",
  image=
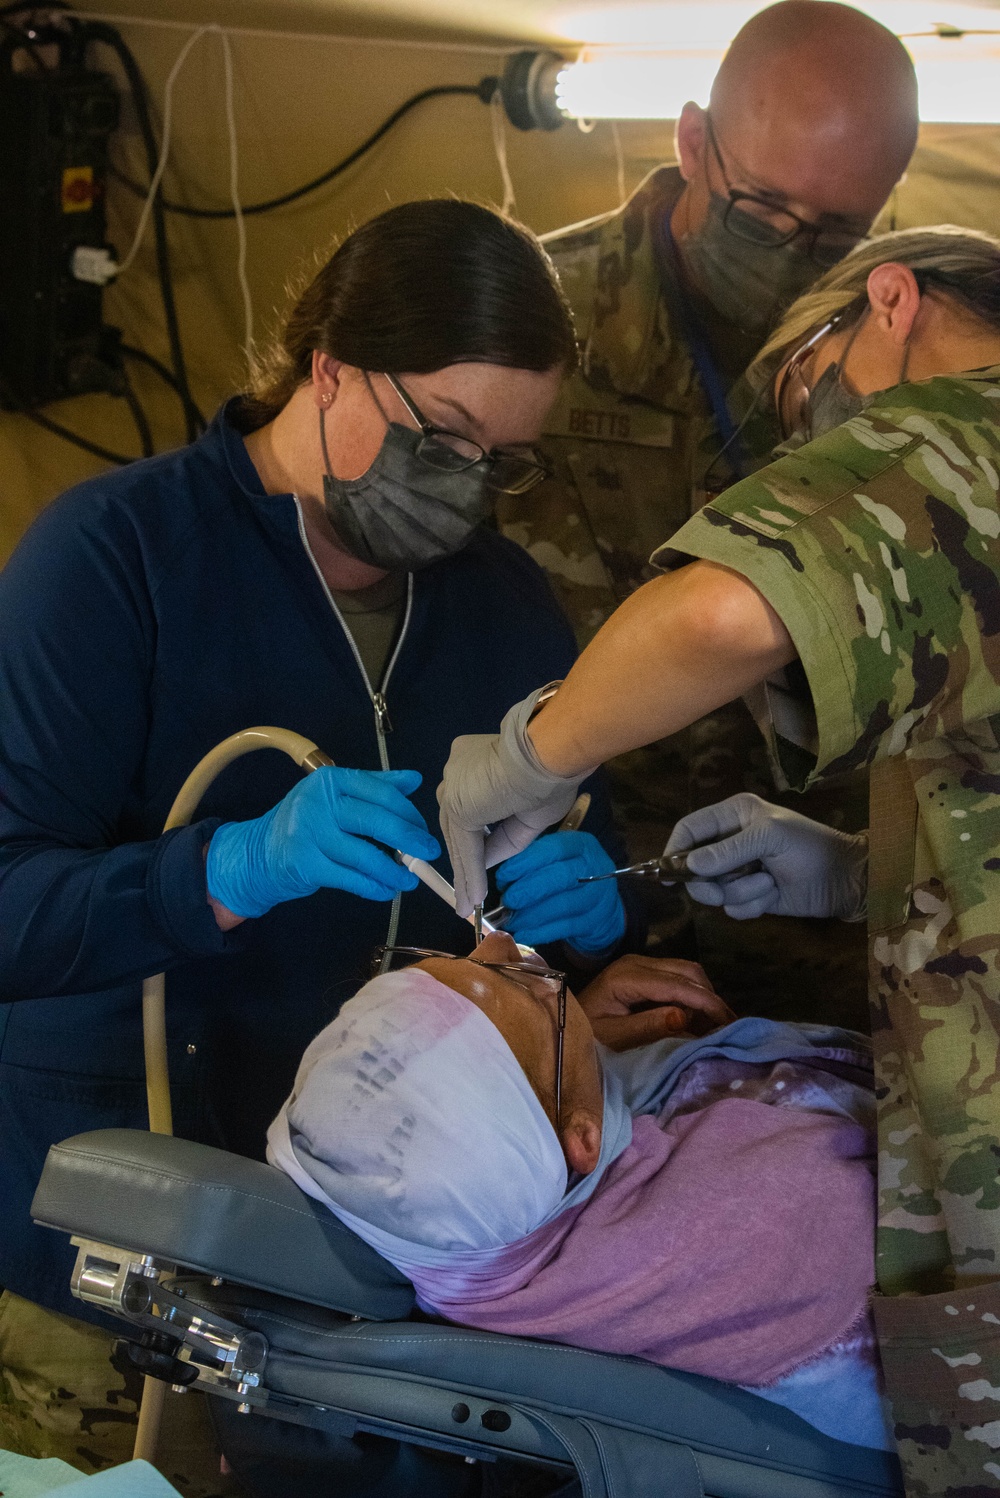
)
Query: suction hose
[{"x": 154, "y": 1020}]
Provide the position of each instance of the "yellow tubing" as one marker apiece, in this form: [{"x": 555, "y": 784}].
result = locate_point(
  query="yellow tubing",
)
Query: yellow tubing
[
  {"x": 147, "y": 1433},
  {"x": 154, "y": 1021}
]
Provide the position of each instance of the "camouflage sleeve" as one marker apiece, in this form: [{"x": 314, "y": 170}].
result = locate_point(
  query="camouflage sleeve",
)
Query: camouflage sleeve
[{"x": 879, "y": 548}]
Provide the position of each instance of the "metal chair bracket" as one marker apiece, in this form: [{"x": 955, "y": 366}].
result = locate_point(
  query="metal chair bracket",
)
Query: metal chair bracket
[{"x": 137, "y": 1288}]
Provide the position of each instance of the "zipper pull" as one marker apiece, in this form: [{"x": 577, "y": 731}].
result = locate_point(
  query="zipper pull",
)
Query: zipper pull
[{"x": 381, "y": 713}]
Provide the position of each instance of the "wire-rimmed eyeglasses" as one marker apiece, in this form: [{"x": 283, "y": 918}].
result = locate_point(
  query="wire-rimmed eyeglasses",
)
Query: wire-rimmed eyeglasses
[
  {"x": 438, "y": 448},
  {"x": 524, "y": 974},
  {"x": 793, "y": 395},
  {"x": 755, "y": 220}
]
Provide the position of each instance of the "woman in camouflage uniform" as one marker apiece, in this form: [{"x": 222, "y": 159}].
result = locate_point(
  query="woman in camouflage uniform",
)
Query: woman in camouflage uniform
[{"x": 865, "y": 567}]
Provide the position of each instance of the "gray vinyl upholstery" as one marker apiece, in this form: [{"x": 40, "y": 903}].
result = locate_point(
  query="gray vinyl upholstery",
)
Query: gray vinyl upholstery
[
  {"x": 209, "y": 1210},
  {"x": 324, "y": 1360},
  {"x": 221, "y": 1215}
]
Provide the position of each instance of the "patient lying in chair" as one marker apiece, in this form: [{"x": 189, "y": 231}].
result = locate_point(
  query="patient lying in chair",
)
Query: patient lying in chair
[{"x": 706, "y": 1203}]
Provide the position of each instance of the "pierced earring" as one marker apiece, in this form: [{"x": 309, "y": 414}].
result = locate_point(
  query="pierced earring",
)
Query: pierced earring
[{"x": 327, "y": 397}]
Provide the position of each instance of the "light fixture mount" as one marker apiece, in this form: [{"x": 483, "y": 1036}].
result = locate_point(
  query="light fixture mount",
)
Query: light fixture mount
[{"x": 528, "y": 89}]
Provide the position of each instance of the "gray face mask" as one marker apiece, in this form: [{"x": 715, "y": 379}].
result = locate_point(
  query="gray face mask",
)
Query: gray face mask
[
  {"x": 403, "y": 514},
  {"x": 831, "y": 403},
  {"x": 747, "y": 280}
]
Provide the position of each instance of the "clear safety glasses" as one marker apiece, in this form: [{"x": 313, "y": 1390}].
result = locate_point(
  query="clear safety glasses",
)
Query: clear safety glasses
[
  {"x": 438, "y": 448},
  {"x": 542, "y": 983}
]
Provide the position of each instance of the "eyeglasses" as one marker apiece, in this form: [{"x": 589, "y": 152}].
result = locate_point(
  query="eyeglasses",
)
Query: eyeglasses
[
  {"x": 756, "y": 221},
  {"x": 449, "y": 452},
  {"x": 526, "y": 975},
  {"x": 792, "y": 397}
]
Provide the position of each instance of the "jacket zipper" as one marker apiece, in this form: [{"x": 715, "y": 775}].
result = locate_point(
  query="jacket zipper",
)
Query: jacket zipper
[{"x": 383, "y": 725}]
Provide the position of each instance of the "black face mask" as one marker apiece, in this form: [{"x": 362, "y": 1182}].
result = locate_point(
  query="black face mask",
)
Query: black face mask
[{"x": 404, "y": 514}]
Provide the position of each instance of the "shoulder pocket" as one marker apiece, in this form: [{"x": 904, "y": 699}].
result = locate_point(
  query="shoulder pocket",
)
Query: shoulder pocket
[{"x": 805, "y": 482}]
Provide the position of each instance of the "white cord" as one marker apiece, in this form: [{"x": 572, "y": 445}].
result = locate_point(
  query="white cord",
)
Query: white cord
[
  {"x": 619, "y": 162},
  {"x": 498, "y": 127},
  {"x": 234, "y": 193},
  {"x": 161, "y": 165}
]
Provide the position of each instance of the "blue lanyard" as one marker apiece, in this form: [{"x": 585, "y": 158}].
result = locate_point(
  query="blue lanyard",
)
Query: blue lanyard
[{"x": 697, "y": 343}]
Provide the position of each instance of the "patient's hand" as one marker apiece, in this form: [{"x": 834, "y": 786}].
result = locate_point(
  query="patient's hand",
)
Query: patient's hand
[{"x": 638, "y": 1000}]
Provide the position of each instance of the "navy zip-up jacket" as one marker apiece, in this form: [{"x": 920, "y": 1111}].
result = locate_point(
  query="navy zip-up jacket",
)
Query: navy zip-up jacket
[{"x": 146, "y": 615}]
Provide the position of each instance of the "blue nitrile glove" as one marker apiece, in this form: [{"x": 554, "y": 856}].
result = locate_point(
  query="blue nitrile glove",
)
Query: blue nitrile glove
[
  {"x": 314, "y": 839},
  {"x": 809, "y": 869},
  {"x": 547, "y": 903}
]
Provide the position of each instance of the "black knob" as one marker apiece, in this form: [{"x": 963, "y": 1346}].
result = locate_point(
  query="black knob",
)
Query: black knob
[
  {"x": 496, "y": 1420},
  {"x": 460, "y": 1413}
]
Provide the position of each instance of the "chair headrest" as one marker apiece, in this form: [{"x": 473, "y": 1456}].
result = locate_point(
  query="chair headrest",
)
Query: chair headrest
[{"x": 204, "y": 1209}]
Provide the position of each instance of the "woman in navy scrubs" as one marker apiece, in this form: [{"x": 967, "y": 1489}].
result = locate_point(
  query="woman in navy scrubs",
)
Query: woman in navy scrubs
[{"x": 251, "y": 578}]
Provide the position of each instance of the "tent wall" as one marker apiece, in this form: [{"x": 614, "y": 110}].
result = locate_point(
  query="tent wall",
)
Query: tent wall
[{"x": 301, "y": 103}]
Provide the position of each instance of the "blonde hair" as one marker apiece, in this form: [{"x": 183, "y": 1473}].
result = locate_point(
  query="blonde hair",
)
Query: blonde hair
[{"x": 964, "y": 264}]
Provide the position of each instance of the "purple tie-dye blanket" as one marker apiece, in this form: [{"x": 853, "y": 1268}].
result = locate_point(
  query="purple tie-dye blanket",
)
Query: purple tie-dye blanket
[{"x": 734, "y": 1237}]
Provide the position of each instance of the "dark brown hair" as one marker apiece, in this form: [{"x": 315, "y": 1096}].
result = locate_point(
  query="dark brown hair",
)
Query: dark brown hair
[{"x": 421, "y": 286}]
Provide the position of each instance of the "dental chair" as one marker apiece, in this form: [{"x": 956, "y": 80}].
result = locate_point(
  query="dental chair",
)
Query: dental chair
[{"x": 325, "y": 1379}]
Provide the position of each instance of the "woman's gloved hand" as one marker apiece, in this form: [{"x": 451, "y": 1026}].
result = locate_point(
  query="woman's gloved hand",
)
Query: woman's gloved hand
[
  {"x": 809, "y": 869},
  {"x": 541, "y": 889},
  {"x": 495, "y": 780},
  {"x": 315, "y": 838}
]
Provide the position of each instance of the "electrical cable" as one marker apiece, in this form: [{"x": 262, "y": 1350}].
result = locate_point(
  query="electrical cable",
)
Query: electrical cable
[
  {"x": 139, "y": 416},
  {"x": 123, "y": 389},
  {"x": 83, "y": 32},
  {"x": 93, "y": 448},
  {"x": 499, "y": 133},
  {"x": 234, "y": 192},
  {"x": 23, "y": 42},
  {"x": 164, "y": 157},
  {"x": 161, "y": 370},
  {"x": 154, "y": 364},
  {"x": 155, "y": 205},
  {"x": 131, "y": 352},
  {"x": 99, "y": 31},
  {"x": 619, "y": 162},
  {"x": 248, "y": 209},
  {"x": 31, "y": 9},
  {"x": 152, "y": 192}
]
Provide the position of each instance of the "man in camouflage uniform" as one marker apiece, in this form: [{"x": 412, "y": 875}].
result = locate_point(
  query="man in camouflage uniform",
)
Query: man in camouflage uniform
[{"x": 812, "y": 120}]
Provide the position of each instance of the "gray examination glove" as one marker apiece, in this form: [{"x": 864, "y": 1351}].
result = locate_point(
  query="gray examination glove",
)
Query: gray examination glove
[
  {"x": 808, "y": 868},
  {"x": 495, "y": 780}
]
